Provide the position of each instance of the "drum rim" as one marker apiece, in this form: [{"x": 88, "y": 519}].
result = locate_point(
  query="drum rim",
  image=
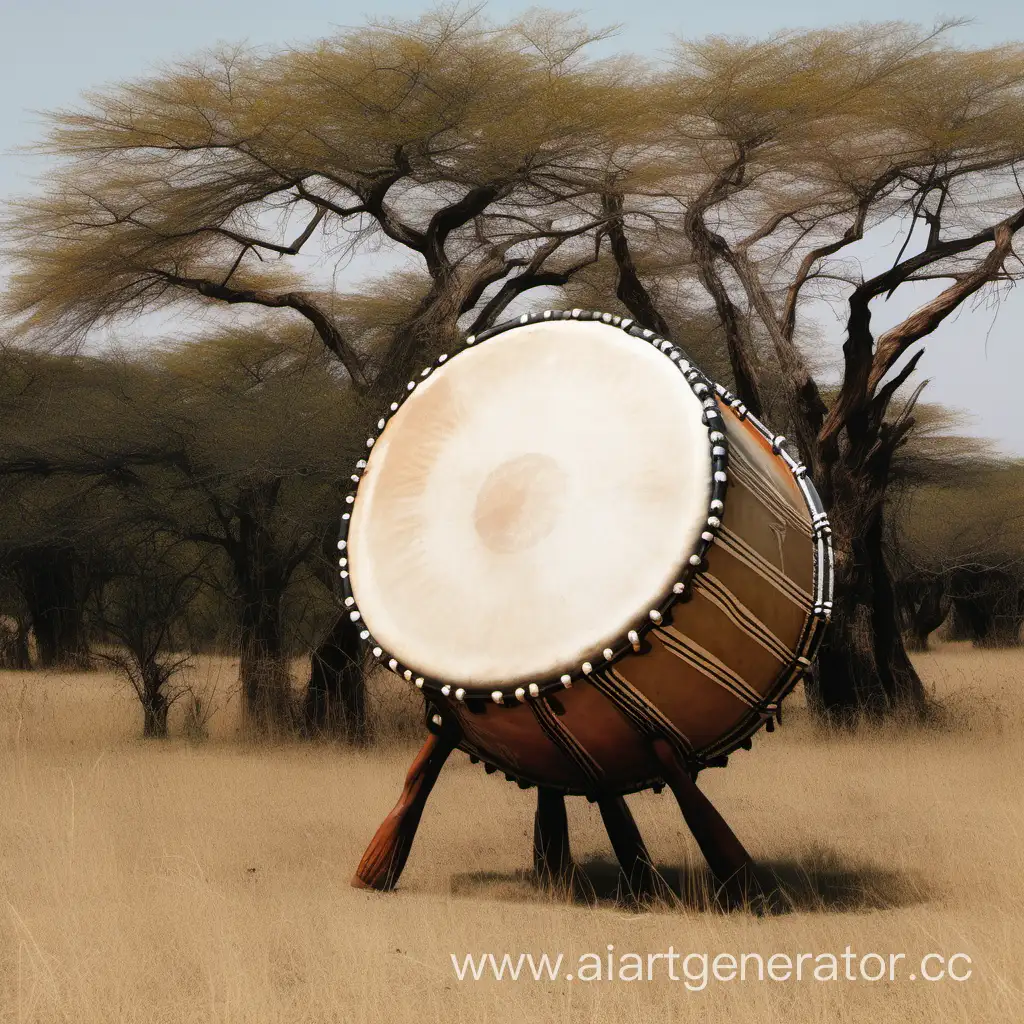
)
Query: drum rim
[{"x": 631, "y": 638}]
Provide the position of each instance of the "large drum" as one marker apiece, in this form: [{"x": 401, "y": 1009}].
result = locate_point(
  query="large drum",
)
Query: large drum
[{"x": 573, "y": 543}]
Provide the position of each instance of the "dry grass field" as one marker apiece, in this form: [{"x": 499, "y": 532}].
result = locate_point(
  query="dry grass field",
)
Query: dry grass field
[{"x": 168, "y": 882}]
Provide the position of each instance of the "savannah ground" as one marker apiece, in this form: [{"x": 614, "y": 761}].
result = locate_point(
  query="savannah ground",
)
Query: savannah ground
[{"x": 176, "y": 882}]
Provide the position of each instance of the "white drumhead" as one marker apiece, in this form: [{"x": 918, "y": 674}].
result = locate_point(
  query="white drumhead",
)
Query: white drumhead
[{"x": 529, "y": 503}]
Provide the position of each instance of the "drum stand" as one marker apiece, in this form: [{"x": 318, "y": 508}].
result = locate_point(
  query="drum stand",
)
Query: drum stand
[{"x": 385, "y": 857}]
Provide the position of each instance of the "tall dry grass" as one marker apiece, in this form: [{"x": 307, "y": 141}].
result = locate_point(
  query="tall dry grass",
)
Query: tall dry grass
[{"x": 169, "y": 882}]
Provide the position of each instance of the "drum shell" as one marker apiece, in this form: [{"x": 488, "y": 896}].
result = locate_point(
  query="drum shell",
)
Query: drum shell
[{"x": 708, "y": 674}]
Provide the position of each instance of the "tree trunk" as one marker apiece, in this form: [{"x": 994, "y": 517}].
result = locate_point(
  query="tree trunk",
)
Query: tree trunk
[
  {"x": 960, "y": 627},
  {"x": 47, "y": 579},
  {"x": 261, "y": 579},
  {"x": 927, "y": 610},
  {"x": 335, "y": 703},
  {"x": 263, "y": 670},
  {"x": 863, "y": 664},
  {"x": 1005, "y": 608},
  {"x": 154, "y": 706}
]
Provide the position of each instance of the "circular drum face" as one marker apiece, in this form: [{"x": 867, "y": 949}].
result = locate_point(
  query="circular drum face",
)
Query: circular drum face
[{"x": 528, "y": 503}]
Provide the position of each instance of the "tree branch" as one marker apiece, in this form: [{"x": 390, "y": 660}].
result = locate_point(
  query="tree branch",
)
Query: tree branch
[
  {"x": 300, "y": 302},
  {"x": 629, "y": 289}
]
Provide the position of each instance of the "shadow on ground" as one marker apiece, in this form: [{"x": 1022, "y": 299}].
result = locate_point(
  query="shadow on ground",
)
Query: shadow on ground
[{"x": 820, "y": 881}]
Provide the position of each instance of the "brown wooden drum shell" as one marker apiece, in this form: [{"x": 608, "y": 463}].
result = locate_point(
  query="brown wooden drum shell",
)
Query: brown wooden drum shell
[{"x": 708, "y": 675}]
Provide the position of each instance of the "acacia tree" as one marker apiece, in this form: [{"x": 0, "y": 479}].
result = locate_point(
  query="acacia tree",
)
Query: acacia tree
[
  {"x": 143, "y": 607},
  {"x": 777, "y": 157},
  {"x": 463, "y": 146}
]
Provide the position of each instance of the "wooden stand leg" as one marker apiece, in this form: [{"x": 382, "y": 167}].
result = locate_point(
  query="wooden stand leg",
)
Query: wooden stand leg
[
  {"x": 388, "y": 851},
  {"x": 628, "y": 846},
  {"x": 552, "y": 859},
  {"x": 729, "y": 861}
]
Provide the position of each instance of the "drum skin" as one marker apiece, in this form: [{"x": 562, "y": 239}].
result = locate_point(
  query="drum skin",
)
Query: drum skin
[
  {"x": 710, "y": 669},
  {"x": 715, "y": 669}
]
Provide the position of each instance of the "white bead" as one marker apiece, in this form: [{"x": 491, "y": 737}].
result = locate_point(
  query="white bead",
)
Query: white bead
[
  {"x": 626, "y": 324},
  {"x": 437, "y": 720},
  {"x": 394, "y": 407},
  {"x": 720, "y": 476},
  {"x": 576, "y": 314},
  {"x": 377, "y": 652},
  {"x": 392, "y": 664},
  {"x": 471, "y": 339},
  {"x": 497, "y": 697},
  {"x": 684, "y": 365},
  {"x": 347, "y": 516},
  {"x": 718, "y": 450},
  {"x": 364, "y": 634},
  {"x": 361, "y": 464},
  {"x": 524, "y": 319},
  {"x": 534, "y": 690},
  {"x": 608, "y": 654},
  {"x": 547, "y": 314},
  {"x": 349, "y": 499},
  {"x": 587, "y": 668},
  {"x": 714, "y": 522},
  {"x": 445, "y": 690},
  {"x": 606, "y": 317},
  {"x": 344, "y": 574},
  {"x": 369, "y": 442},
  {"x": 709, "y": 537},
  {"x": 349, "y": 601},
  {"x": 678, "y": 588},
  {"x": 520, "y": 693},
  {"x": 380, "y": 423},
  {"x": 443, "y": 358},
  {"x": 354, "y": 616},
  {"x": 566, "y": 681},
  {"x": 694, "y": 559},
  {"x": 419, "y": 683},
  {"x": 408, "y": 675},
  {"x": 341, "y": 545},
  {"x": 648, "y": 334},
  {"x": 716, "y": 436},
  {"x": 460, "y": 694},
  {"x": 717, "y": 505},
  {"x": 354, "y": 478},
  {"x": 343, "y": 562},
  {"x": 410, "y": 385},
  {"x": 634, "y": 638},
  {"x": 655, "y": 616},
  {"x": 426, "y": 372}
]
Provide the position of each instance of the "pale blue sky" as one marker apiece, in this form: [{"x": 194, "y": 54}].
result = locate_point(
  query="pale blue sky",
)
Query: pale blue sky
[{"x": 53, "y": 50}]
